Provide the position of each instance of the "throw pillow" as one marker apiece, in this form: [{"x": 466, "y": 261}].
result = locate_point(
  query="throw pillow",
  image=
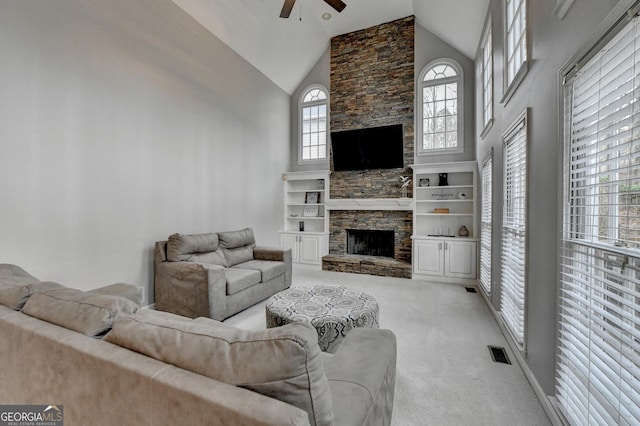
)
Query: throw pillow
[
  {"x": 16, "y": 290},
  {"x": 87, "y": 313}
]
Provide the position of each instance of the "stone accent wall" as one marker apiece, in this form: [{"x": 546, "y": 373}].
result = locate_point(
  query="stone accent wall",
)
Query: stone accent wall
[
  {"x": 372, "y": 84},
  {"x": 398, "y": 221}
]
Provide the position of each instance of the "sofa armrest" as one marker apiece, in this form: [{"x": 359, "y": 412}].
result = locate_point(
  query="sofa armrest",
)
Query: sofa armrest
[
  {"x": 270, "y": 253},
  {"x": 189, "y": 289},
  {"x": 128, "y": 291},
  {"x": 277, "y": 254},
  {"x": 362, "y": 377}
]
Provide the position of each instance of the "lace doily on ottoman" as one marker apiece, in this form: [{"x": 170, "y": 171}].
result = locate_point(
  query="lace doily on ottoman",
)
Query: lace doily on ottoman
[{"x": 332, "y": 310}]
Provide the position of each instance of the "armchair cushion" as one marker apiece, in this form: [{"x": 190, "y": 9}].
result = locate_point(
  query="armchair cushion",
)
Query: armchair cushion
[
  {"x": 240, "y": 279},
  {"x": 268, "y": 269},
  {"x": 283, "y": 362},
  {"x": 87, "y": 313},
  {"x": 237, "y": 246},
  {"x": 202, "y": 248}
]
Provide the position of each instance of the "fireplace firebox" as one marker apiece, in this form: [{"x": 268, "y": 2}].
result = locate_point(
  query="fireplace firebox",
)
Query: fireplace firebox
[{"x": 370, "y": 242}]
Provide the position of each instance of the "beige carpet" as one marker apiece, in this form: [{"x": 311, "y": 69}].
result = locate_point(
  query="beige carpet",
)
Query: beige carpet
[{"x": 445, "y": 375}]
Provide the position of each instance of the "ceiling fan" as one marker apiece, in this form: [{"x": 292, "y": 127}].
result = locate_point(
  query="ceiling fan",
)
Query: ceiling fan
[{"x": 338, "y": 5}]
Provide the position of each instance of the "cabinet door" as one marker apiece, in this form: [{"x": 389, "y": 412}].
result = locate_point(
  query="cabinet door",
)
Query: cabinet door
[
  {"x": 290, "y": 241},
  {"x": 460, "y": 259},
  {"x": 429, "y": 257},
  {"x": 309, "y": 249}
]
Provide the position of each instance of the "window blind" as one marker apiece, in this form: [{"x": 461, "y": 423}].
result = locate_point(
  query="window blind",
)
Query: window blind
[
  {"x": 485, "y": 224},
  {"x": 598, "y": 357},
  {"x": 512, "y": 296}
]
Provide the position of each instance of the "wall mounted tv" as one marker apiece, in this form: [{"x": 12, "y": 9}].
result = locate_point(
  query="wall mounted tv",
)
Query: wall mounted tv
[{"x": 369, "y": 148}]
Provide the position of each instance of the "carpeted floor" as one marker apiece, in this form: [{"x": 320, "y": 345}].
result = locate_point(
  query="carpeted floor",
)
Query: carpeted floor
[{"x": 445, "y": 374}]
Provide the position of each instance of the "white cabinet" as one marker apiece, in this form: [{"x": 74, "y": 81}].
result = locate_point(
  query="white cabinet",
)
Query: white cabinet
[
  {"x": 445, "y": 196},
  {"x": 445, "y": 258},
  {"x": 306, "y": 248},
  {"x": 306, "y": 218}
]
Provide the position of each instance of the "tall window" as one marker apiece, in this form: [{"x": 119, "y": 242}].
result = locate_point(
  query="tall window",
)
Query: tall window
[
  {"x": 514, "y": 229},
  {"x": 440, "y": 111},
  {"x": 485, "y": 222},
  {"x": 598, "y": 362},
  {"x": 515, "y": 27},
  {"x": 313, "y": 124},
  {"x": 486, "y": 79}
]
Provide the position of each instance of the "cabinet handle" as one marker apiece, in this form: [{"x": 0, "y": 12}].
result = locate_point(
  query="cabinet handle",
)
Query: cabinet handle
[
  {"x": 446, "y": 246},
  {"x": 439, "y": 246}
]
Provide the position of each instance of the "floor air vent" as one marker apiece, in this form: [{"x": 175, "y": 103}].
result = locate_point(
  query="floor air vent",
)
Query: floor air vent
[
  {"x": 499, "y": 355},
  {"x": 471, "y": 289}
]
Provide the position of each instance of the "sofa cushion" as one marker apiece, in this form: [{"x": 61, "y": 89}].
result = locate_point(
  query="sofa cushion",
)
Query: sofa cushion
[
  {"x": 282, "y": 362},
  {"x": 237, "y": 246},
  {"x": 16, "y": 290},
  {"x": 202, "y": 248},
  {"x": 87, "y": 313},
  {"x": 240, "y": 279},
  {"x": 269, "y": 269}
]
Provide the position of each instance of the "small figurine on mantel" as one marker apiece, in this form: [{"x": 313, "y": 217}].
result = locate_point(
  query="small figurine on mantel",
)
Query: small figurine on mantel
[{"x": 406, "y": 180}]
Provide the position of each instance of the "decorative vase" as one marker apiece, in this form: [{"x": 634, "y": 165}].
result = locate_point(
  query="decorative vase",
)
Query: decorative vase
[
  {"x": 463, "y": 231},
  {"x": 404, "y": 192}
]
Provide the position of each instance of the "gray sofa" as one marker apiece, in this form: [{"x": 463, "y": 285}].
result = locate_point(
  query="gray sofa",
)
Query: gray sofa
[
  {"x": 217, "y": 275},
  {"x": 107, "y": 362}
]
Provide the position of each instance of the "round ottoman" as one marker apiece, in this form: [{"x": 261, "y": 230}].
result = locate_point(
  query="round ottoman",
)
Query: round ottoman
[{"x": 332, "y": 310}]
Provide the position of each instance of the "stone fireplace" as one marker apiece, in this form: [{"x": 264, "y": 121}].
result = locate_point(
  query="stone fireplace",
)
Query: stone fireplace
[
  {"x": 372, "y": 84},
  {"x": 396, "y": 259}
]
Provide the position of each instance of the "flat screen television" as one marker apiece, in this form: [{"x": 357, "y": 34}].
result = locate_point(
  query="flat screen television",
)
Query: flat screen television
[{"x": 369, "y": 148}]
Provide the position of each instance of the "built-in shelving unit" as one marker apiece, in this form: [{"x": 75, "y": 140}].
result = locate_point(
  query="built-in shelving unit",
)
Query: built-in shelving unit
[
  {"x": 306, "y": 218},
  {"x": 445, "y": 197}
]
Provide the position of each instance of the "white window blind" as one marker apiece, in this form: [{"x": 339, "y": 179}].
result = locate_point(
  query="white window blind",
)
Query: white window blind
[
  {"x": 516, "y": 37},
  {"x": 514, "y": 230},
  {"x": 485, "y": 224},
  {"x": 598, "y": 362},
  {"x": 487, "y": 79}
]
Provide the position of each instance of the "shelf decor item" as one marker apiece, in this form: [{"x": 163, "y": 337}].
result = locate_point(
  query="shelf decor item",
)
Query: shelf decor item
[
  {"x": 310, "y": 211},
  {"x": 463, "y": 231},
  {"x": 443, "y": 179},
  {"x": 423, "y": 182},
  {"x": 312, "y": 198}
]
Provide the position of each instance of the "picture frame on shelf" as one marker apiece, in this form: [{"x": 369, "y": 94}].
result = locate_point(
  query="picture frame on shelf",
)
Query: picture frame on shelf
[
  {"x": 310, "y": 211},
  {"x": 312, "y": 197}
]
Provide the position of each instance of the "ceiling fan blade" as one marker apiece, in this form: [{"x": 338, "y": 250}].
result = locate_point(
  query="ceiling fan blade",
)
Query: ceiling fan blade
[
  {"x": 286, "y": 8},
  {"x": 336, "y": 4}
]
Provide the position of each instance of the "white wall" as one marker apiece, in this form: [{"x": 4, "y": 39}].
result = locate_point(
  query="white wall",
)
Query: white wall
[{"x": 122, "y": 122}]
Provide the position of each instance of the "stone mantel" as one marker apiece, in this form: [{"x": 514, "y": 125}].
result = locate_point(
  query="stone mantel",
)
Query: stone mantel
[{"x": 370, "y": 204}]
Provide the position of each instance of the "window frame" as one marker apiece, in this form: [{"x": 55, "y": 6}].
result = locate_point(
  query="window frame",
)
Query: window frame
[
  {"x": 485, "y": 79},
  {"x": 301, "y": 106},
  {"x": 598, "y": 279},
  {"x": 459, "y": 79},
  {"x": 521, "y": 123},
  {"x": 511, "y": 85}
]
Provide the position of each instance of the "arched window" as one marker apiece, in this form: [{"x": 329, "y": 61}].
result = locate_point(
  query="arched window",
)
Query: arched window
[
  {"x": 313, "y": 119},
  {"x": 440, "y": 123}
]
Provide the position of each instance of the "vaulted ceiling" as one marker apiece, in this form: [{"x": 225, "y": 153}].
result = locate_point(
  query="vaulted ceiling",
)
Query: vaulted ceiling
[{"x": 285, "y": 50}]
